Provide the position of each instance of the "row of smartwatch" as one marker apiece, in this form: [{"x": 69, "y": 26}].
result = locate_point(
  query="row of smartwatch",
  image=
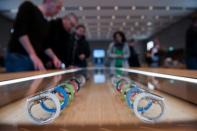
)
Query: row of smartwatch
[
  {"x": 140, "y": 101},
  {"x": 45, "y": 106}
]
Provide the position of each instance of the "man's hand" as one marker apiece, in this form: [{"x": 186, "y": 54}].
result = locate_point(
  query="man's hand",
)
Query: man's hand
[
  {"x": 82, "y": 57},
  {"x": 57, "y": 63},
  {"x": 38, "y": 65},
  {"x": 25, "y": 42},
  {"x": 120, "y": 56}
]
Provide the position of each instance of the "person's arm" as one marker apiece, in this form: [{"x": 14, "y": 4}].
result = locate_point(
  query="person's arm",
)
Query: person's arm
[
  {"x": 87, "y": 53},
  {"x": 126, "y": 51},
  {"x": 22, "y": 23},
  {"x": 25, "y": 42},
  {"x": 110, "y": 51},
  {"x": 57, "y": 63}
]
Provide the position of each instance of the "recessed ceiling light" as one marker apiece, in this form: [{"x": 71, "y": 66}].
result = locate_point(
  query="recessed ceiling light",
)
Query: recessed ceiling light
[
  {"x": 136, "y": 23},
  {"x": 150, "y": 7},
  {"x": 167, "y": 7},
  {"x": 142, "y": 17},
  {"x": 128, "y": 17},
  {"x": 124, "y": 23},
  {"x": 133, "y": 8},
  {"x": 149, "y": 23},
  {"x": 80, "y": 8},
  {"x": 111, "y": 23},
  {"x": 98, "y": 8},
  {"x": 113, "y": 17},
  {"x": 116, "y": 8}
]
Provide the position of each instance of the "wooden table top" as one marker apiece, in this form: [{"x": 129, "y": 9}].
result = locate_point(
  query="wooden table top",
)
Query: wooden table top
[
  {"x": 10, "y": 76},
  {"x": 95, "y": 106},
  {"x": 100, "y": 106}
]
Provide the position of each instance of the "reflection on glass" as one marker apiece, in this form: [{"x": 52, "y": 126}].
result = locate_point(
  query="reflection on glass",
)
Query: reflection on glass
[
  {"x": 54, "y": 81},
  {"x": 180, "y": 96},
  {"x": 99, "y": 77},
  {"x": 34, "y": 86}
]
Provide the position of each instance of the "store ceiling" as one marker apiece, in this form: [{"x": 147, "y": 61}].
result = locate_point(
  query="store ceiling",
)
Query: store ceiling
[{"x": 139, "y": 19}]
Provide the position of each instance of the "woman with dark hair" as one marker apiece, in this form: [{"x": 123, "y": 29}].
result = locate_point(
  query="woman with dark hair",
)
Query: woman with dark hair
[{"x": 118, "y": 50}]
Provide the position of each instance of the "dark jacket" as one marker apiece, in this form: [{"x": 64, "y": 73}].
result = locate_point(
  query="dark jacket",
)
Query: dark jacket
[
  {"x": 80, "y": 46},
  {"x": 191, "y": 42},
  {"x": 133, "y": 59},
  {"x": 60, "y": 40}
]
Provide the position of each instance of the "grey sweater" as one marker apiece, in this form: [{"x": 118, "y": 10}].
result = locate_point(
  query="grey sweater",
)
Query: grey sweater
[{"x": 113, "y": 56}]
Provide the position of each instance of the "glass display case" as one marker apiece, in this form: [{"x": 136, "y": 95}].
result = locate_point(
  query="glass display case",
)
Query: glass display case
[{"x": 99, "y": 100}]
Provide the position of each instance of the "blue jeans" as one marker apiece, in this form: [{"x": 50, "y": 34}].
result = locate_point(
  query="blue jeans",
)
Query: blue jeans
[
  {"x": 15, "y": 62},
  {"x": 191, "y": 63}
]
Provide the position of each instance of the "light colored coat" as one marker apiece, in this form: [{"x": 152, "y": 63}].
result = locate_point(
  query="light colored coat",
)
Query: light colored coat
[{"x": 111, "y": 54}]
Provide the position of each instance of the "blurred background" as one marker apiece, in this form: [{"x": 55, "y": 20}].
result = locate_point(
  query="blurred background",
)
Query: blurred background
[{"x": 147, "y": 24}]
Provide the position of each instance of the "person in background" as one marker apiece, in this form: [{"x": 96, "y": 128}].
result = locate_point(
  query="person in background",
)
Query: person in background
[
  {"x": 2, "y": 59},
  {"x": 60, "y": 38},
  {"x": 118, "y": 51},
  {"x": 28, "y": 41},
  {"x": 133, "y": 59},
  {"x": 80, "y": 48},
  {"x": 191, "y": 45},
  {"x": 155, "y": 54},
  {"x": 148, "y": 57}
]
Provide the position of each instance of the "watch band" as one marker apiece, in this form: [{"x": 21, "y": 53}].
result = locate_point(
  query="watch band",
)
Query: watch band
[
  {"x": 63, "y": 104},
  {"x": 37, "y": 99},
  {"x": 157, "y": 99}
]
